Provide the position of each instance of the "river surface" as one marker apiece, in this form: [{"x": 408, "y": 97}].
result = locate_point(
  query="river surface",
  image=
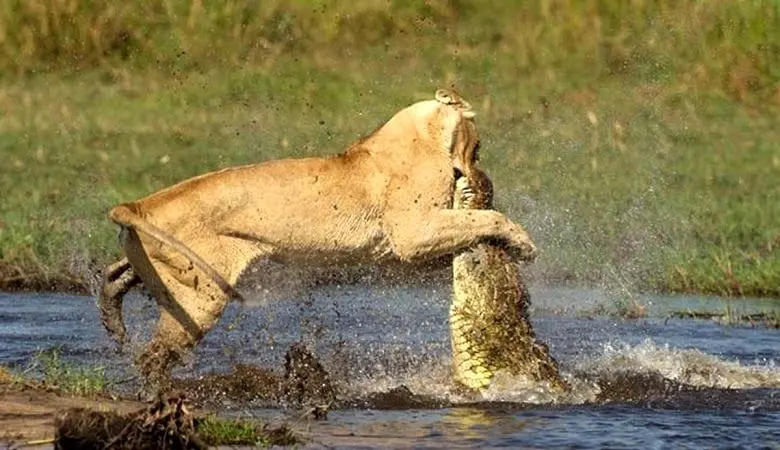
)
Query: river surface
[{"x": 655, "y": 382}]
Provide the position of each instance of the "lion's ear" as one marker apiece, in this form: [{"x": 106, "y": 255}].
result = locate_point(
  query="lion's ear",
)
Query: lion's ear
[
  {"x": 452, "y": 98},
  {"x": 448, "y": 97}
]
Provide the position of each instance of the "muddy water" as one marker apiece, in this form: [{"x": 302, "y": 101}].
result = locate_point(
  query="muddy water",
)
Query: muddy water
[{"x": 648, "y": 383}]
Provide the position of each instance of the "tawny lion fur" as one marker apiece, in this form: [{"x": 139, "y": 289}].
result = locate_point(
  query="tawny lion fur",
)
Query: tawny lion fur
[{"x": 387, "y": 197}]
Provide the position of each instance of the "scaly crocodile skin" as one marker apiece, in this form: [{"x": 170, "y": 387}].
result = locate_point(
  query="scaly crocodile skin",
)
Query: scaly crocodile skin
[{"x": 489, "y": 324}]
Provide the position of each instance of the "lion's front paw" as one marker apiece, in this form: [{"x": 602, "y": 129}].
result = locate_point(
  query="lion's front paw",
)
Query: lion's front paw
[
  {"x": 528, "y": 252},
  {"x": 522, "y": 247}
]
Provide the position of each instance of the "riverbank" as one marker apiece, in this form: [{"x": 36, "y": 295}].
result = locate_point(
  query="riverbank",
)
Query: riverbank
[
  {"x": 13, "y": 278},
  {"x": 33, "y": 415},
  {"x": 641, "y": 154}
]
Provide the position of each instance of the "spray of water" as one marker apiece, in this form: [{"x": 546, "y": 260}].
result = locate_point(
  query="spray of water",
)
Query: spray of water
[
  {"x": 686, "y": 366},
  {"x": 620, "y": 370}
]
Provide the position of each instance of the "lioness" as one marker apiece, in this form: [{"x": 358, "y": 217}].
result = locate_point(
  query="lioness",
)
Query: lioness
[{"x": 385, "y": 198}]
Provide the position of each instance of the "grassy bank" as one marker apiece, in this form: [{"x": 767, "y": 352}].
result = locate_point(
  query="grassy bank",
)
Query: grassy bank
[{"x": 637, "y": 140}]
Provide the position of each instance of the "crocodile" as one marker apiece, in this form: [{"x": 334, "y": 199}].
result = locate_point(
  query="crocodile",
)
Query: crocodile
[{"x": 489, "y": 325}]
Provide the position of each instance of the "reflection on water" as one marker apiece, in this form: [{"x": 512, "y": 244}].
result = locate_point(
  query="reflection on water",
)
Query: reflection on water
[{"x": 668, "y": 382}]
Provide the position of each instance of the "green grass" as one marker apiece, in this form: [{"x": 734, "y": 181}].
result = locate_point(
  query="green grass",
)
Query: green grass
[
  {"x": 218, "y": 431},
  {"x": 215, "y": 431},
  {"x": 638, "y": 141},
  {"x": 65, "y": 377},
  {"x": 734, "y": 316}
]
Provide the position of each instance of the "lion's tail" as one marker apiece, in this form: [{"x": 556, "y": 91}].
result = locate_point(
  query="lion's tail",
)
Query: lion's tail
[
  {"x": 118, "y": 280},
  {"x": 124, "y": 216}
]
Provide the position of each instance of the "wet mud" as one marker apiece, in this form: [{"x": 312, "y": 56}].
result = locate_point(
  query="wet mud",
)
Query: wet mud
[
  {"x": 28, "y": 410},
  {"x": 304, "y": 383},
  {"x": 165, "y": 424},
  {"x": 653, "y": 390}
]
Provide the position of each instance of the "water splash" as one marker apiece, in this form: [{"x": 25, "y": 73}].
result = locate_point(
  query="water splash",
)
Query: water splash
[
  {"x": 686, "y": 366},
  {"x": 622, "y": 372}
]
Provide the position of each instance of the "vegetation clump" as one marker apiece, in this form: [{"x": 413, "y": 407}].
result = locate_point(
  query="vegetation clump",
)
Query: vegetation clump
[
  {"x": 70, "y": 378},
  {"x": 48, "y": 372},
  {"x": 167, "y": 423},
  {"x": 215, "y": 431}
]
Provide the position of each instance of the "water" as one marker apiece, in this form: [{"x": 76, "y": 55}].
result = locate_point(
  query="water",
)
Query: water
[{"x": 673, "y": 383}]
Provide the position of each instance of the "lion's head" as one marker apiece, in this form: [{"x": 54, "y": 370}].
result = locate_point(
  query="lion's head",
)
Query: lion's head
[
  {"x": 447, "y": 122},
  {"x": 459, "y": 127}
]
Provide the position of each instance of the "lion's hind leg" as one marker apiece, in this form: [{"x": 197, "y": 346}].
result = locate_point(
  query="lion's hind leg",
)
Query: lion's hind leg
[
  {"x": 118, "y": 279},
  {"x": 190, "y": 301},
  {"x": 186, "y": 315}
]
